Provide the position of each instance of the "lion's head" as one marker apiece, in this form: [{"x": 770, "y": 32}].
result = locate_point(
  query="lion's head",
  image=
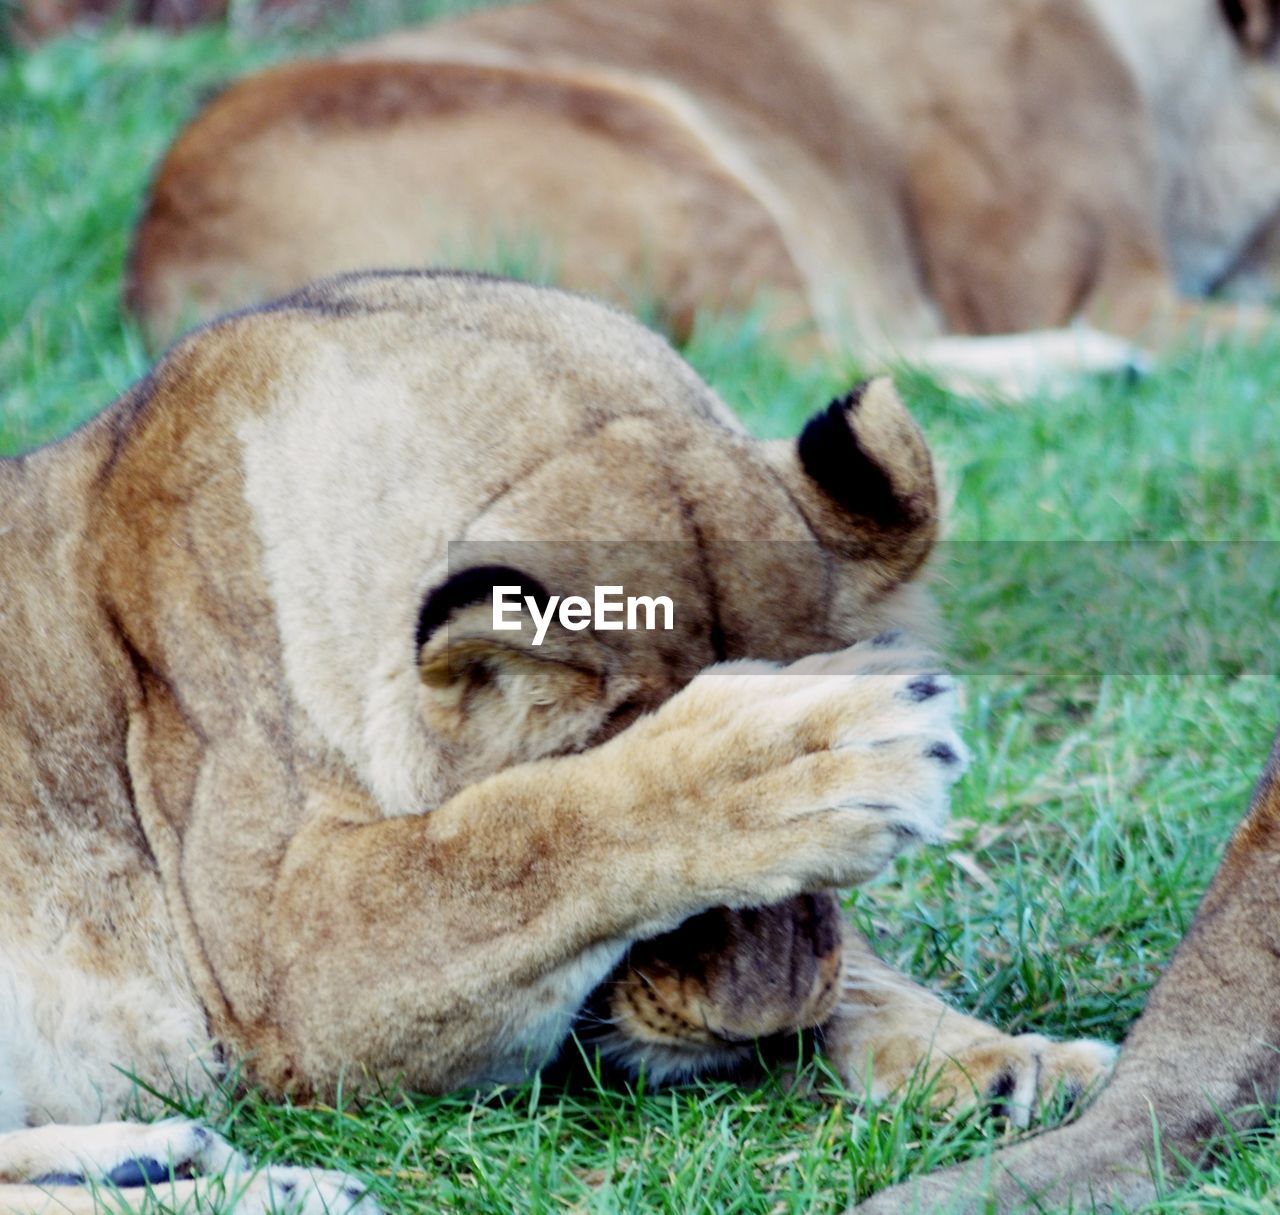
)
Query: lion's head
[{"x": 373, "y": 456}]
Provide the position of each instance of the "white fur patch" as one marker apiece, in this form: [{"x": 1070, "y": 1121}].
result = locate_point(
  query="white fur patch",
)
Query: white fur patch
[
  {"x": 1018, "y": 365},
  {"x": 13, "y": 1108},
  {"x": 68, "y": 1038}
]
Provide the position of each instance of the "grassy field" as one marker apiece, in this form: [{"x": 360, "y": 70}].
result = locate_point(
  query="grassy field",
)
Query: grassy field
[{"x": 1111, "y": 587}]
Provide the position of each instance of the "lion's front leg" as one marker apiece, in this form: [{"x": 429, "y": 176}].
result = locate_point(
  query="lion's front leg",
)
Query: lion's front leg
[
  {"x": 888, "y": 1032},
  {"x": 708, "y": 997},
  {"x": 455, "y": 947}
]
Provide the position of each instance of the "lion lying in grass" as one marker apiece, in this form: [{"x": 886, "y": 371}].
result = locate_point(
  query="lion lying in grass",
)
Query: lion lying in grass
[
  {"x": 886, "y": 173},
  {"x": 273, "y": 789}
]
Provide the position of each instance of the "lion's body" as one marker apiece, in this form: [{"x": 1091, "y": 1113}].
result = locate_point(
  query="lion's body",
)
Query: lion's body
[
  {"x": 242, "y": 664},
  {"x": 149, "y": 542},
  {"x": 887, "y": 172}
]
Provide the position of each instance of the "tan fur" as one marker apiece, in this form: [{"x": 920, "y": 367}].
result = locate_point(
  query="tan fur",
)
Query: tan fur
[
  {"x": 1199, "y": 1061},
  {"x": 245, "y": 815},
  {"x": 887, "y": 172}
]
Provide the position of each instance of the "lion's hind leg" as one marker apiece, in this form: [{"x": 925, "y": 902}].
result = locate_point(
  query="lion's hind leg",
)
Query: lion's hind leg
[
  {"x": 172, "y": 1165},
  {"x": 889, "y": 1033}
]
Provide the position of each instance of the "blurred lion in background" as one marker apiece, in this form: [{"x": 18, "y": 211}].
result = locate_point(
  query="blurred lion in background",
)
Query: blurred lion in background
[{"x": 884, "y": 173}]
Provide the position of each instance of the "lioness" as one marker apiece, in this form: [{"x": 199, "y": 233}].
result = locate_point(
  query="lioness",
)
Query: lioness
[
  {"x": 1201, "y": 1060},
  {"x": 273, "y": 788},
  {"x": 888, "y": 171}
]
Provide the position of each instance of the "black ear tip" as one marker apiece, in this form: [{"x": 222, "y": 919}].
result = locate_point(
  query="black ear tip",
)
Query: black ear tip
[
  {"x": 828, "y": 430},
  {"x": 835, "y": 459},
  {"x": 826, "y": 438},
  {"x": 827, "y": 443},
  {"x": 466, "y": 587},
  {"x": 852, "y": 400}
]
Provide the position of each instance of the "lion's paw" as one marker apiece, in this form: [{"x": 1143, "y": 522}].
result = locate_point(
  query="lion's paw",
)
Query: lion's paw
[
  {"x": 121, "y": 1154},
  {"x": 818, "y": 772},
  {"x": 288, "y": 1190},
  {"x": 875, "y": 728},
  {"x": 175, "y": 1164},
  {"x": 1024, "y": 1078}
]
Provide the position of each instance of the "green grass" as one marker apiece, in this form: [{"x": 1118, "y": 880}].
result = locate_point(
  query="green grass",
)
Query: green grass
[{"x": 1110, "y": 587}]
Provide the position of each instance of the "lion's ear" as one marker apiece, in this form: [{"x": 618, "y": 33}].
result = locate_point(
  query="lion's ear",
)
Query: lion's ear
[
  {"x": 1255, "y": 23},
  {"x": 863, "y": 476},
  {"x": 460, "y": 650},
  {"x": 504, "y": 696},
  {"x": 468, "y": 588},
  {"x": 453, "y": 664},
  {"x": 455, "y": 640}
]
